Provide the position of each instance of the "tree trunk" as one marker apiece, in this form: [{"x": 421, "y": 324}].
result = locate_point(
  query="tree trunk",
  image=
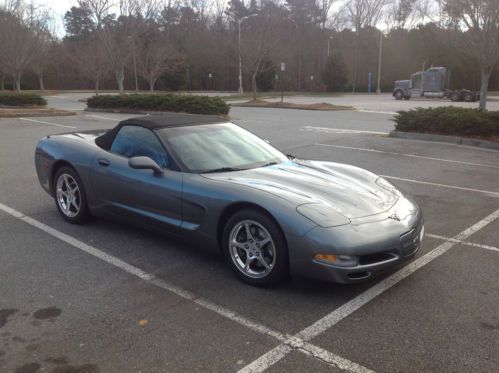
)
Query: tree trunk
[
  {"x": 40, "y": 80},
  {"x": 96, "y": 85},
  {"x": 484, "y": 86},
  {"x": 120, "y": 77},
  {"x": 17, "y": 82},
  {"x": 152, "y": 82},
  {"x": 2, "y": 83},
  {"x": 253, "y": 84}
]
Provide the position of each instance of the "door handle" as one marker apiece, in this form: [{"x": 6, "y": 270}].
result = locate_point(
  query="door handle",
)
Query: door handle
[{"x": 104, "y": 162}]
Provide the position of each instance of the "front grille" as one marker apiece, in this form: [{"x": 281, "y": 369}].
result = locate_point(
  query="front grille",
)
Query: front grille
[{"x": 376, "y": 258}]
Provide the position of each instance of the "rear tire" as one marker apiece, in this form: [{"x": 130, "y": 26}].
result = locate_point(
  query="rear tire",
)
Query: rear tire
[
  {"x": 455, "y": 96},
  {"x": 468, "y": 97},
  {"x": 69, "y": 195},
  {"x": 255, "y": 248}
]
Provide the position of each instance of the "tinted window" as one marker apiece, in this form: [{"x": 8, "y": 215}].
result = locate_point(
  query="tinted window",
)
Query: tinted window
[{"x": 134, "y": 141}]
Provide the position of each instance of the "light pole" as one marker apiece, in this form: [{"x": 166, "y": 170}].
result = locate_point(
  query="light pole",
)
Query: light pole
[
  {"x": 239, "y": 21},
  {"x": 378, "y": 89},
  {"x": 328, "y": 48}
]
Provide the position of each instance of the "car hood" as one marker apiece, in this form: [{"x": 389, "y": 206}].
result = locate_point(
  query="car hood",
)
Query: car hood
[{"x": 349, "y": 190}]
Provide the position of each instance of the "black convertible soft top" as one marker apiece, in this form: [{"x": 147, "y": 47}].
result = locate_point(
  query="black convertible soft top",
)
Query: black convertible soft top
[{"x": 157, "y": 121}]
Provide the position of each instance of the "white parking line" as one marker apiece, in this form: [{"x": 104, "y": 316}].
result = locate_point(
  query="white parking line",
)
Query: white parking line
[
  {"x": 466, "y": 243},
  {"x": 328, "y": 321},
  {"x": 41, "y": 121},
  {"x": 339, "y": 130},
  {"x": 408, "y": 155},
  {"x": 100, "y": 117},
  {"x": 287, "y": 342},
  {"x": 493, "y": 194},
  {"x": 377, "y": 111}
]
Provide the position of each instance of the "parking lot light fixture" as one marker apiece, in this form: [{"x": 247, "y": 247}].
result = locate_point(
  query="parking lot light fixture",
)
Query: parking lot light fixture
[{"x": 239, "y": 21}]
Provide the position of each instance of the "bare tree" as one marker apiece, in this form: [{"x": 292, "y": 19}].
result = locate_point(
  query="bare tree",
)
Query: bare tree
[
  {"x": 20, "y": 36},
  {"x": 260, "y": 41},
  {"x": 480, "y": 19},
  {"x": 154, "y": 55}
]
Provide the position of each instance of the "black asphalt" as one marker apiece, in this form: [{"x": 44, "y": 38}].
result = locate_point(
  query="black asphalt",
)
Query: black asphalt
[{"x": 444, "y": 317}]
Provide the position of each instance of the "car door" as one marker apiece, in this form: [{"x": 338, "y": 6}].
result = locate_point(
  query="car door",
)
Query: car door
[{"x": 138, "y": 196}]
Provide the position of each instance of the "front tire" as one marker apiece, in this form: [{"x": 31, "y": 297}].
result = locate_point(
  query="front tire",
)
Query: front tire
[
  {"x": 255, "y": 248},
  {"x": 399, "y": 95},
  {"x": 69, "y": 195}
]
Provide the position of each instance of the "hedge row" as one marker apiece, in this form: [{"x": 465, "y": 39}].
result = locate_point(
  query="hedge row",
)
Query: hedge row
[
  {"x": 449, "y": 120},
  {"x": 161, "y": 102},
  {"x": 23, "y": 99}
]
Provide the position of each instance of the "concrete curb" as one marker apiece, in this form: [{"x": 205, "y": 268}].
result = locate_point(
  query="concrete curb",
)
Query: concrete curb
[
  {"x": 442, "y": 138},
  {"x": 140, "y": 112}
]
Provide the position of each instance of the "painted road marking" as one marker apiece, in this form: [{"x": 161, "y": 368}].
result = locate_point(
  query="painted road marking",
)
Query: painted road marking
[
  {"x": 377, "y": 111},
  {"x": 41, "y": 121},
  {"x": 467, "y": 243},
  {"x": 100, "y": 117},
  {"x": 273, "y": 356},
  {"x": 287, "y": 341},
  {"x": 488, "y": 192},
  {"x": 339, "y": 130},
  {"x": 409, "y": 155}
]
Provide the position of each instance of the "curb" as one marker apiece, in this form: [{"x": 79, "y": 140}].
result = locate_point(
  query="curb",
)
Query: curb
[
  {"x": 124, "y": 111},
  {"x": 448, "y": 139},
  {"x": 293, "y": 108}
]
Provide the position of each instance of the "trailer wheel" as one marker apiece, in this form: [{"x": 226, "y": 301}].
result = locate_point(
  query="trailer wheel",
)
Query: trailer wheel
[
  {"x": 468, "y": 97},
  {"x": 455, "y": 96},
  {"x": 399, "y": 95}
]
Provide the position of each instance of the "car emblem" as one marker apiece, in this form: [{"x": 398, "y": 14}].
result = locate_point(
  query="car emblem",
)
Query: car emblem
[{"x": 394, "y": 217}]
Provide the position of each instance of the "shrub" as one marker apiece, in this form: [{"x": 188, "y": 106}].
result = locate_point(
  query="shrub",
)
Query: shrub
[
  {"x": 161, "y": 102},
  {"x": 449, "y": 120},
  {"x": 22, "y": 99}
]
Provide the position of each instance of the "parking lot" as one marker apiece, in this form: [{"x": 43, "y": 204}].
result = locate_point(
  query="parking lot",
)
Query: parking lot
[{"x": 105, "y": 297}]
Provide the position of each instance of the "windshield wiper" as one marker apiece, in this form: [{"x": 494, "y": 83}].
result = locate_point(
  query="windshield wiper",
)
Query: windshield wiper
[{"x": 223, "y": 169}]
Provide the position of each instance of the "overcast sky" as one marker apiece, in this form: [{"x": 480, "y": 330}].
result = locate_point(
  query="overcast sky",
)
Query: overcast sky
[{"x": 59, "y": 8}]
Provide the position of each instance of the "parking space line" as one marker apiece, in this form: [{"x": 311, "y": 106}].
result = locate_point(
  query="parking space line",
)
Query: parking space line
[
  {"x": 340, "y": 130},
  {"x": 287, "y": 342},
  {"x": 488, "y": 192},
  {"x": 466, "y": 243},
  {"x": 331, "y": 319},
  {"x": 334, "y": 359},
  {"x": 51, "y": 124},
  {"x": 377, "y": 111},
  {"x": 408, "y": 155},
  {"x": 98, "y": 116}
]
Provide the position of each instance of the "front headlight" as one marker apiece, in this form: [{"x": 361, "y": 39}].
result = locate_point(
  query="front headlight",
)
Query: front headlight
[{"x": 322, "y": 215}]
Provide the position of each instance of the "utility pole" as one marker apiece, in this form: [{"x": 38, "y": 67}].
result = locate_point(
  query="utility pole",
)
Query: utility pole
[{"x": 378, "y": 89}]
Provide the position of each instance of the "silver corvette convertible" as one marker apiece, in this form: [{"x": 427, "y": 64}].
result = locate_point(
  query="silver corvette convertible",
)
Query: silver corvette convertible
[{"x": 222, "y": 188}]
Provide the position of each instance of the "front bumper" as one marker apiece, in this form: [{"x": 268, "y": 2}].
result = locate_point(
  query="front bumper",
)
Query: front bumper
[{"x": 378, "y": 244}]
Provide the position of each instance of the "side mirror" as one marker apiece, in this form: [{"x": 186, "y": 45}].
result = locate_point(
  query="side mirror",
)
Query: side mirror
[{"x": 145, "y": 163}]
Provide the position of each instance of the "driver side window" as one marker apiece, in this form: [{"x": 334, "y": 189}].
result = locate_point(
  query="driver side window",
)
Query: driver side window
[{"x": 134, "y": 141}]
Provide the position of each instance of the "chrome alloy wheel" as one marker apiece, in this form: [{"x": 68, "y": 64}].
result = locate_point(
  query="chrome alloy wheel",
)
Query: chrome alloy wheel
[
  {"x": 68, "y": 195},
  {"x": 252, "y": 249}
]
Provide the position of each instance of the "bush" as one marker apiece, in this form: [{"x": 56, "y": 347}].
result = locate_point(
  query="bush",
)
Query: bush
[
  {"x": 161, "y": 102},
  {"x": 22, "y": 99},
  {"x": 449, "y": 120}
]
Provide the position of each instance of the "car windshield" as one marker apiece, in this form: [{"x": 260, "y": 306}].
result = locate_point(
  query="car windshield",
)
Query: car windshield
[{"x": 219, "y": 147}]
